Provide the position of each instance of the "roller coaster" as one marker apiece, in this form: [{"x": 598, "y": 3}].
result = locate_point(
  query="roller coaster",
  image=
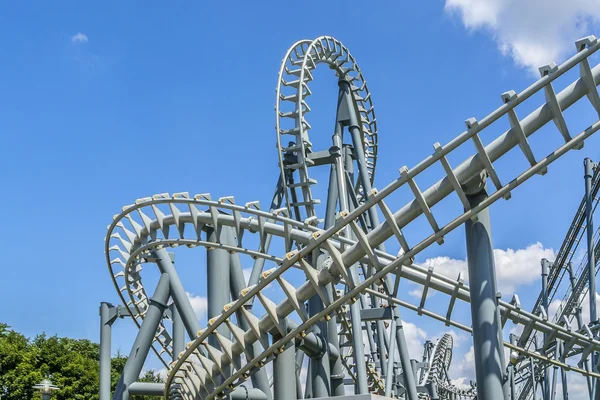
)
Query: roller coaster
[{"x": 319, "y": 314}]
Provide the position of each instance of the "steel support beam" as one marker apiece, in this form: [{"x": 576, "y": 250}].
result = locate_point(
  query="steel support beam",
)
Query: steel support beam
[
  {"x": 105, "y": 349},
  {"x": 182, "y": 302},
  {"x": 354, "y": 128},
  {"x": 178, "y": 332},
  {"x": 357, "y": 340},
  {"x": 545, "y": 271},
  {"x": 588, "y": 166},
  {"x": 260, "y": 380},
  {"x": 144, "y": 338},
  {"x": 487, "y": 329},
  {"x": 284, "y": 373}
]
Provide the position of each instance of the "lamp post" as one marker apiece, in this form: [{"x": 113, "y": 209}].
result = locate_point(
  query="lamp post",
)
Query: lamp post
[{"x": 46, "y": 388}]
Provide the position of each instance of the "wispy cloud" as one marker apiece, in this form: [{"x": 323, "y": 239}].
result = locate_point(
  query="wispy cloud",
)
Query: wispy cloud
[
  {"x": 79, "y": 38},
  {"x": 533, "y": 32}
]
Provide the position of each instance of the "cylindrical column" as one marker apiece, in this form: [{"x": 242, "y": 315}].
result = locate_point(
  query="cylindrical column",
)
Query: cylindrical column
[
  {"x": 357, "y": 340},
  {"x": 144, "y": 338},
  {"x": 217, "y": 283},
  {"x": 105, "y": 345},
  {"x": 147, "y": 389},
  {"x": 178, "y": 332},
  {"x": 487, "y": 329},
  {"x": 390, "y": 362},
  {"x": 545, "y": 271},
  {"x": 361, "y": 161},
  {"x": 284, "y": 373},
  {"x": 260, "y": 380},
  {"x": 588, "y": 166}
]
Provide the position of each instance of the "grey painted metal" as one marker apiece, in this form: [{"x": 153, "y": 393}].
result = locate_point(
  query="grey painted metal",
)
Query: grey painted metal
[
  {"x": 545, "y": 303},
  {"x": 588, "y": 172},
  {"x": 105, "y": 348},
  {"x": 589, "y": 166},
  {"x": 217, "y": 283},
  {"x": 143, "y": 341},
  {"x": 178, "y": 332},
  {"x": 260, "y": 379},
  {"x": 487, "y": 329},
  {"x": 166, "y": 266},
  {"x": 390, "y": 362},
  {"x": 146, "y": 389},
  {"x": 357, "y": 397},
  {"x": 358, "y": 349},
  {"x": 336, "y": 367},
  {"x": 400, "y": 338},
  {"x": 284, "y": 374}
]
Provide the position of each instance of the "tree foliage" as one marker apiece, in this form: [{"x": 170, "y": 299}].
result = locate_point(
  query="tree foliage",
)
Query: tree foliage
[{"x": 72, "y": 365}]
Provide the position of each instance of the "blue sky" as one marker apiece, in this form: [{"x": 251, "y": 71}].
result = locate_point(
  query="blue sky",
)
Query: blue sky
[{"x": 103, "y": 104}]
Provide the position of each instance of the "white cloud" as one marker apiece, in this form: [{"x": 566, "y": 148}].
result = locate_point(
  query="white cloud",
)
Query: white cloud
[
  {"x": 247, "y": 272},
  {"x": 532, "y": 32},
  {"x": 415, "y": 337},
  {"x": 79, "y": 38},
  {"x": 585, "y": 307},
  {"x": 464, "y": 367},
  {"x": 199, "y": 304},
  {"x": 513, "y": 267}
]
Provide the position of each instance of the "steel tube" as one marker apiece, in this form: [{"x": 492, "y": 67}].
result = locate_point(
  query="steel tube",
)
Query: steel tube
[
  {"x": 487, "y": 329},
  {"x": 182, "y": 302},
  {"x": 105, "y": 349},
  {"x": 260, "y": 380},
  {"x": 588, "y": 167},
  {"x": 357, "y": 341},
  {"x": 407, "y": 371},
  {"x": 178, "y": 332},
  {"x": 145, "y": 337},
  {"x": 147, "y": 389},
  {"x": 545, "y": 272},
  {"x": 217, "y": 283},
  {"x": 284, "y": 374}
]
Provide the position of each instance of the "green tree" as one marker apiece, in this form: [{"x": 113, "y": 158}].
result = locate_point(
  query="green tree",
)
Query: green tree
[{"x": 72, "y": 364}]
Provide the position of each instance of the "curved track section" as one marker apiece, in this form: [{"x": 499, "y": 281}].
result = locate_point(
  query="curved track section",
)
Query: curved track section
[
  {"x": 292, "y": 115},
  {"x": 437, "y": 372}
]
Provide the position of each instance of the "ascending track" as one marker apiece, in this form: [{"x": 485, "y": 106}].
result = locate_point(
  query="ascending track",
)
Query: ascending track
[{"x": 202, "y": 370}]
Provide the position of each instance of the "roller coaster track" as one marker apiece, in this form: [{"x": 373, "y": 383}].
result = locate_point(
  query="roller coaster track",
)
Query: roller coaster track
[
  {"x": 437, "y": 371},
  {"x": 569, "y": 246},
  {"x": 203, "y": 371},
  {"x": 292, "y": 111}
]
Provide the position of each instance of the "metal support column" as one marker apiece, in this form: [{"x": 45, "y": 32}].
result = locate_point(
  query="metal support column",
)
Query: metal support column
[
  {"x": 545, "y": 271},
  {"x": 487, "y": 328},
  {"x": 217, "y": 283},
  {"x": 357, "y": 340},
  {"x": 260, "y": 380},
  {"x": 105, "y": 345},
  {"x": 588, "y": 166},
  {"x": 178, "y": 332},
  {"x": 284, "y": 373},
  {"x": 144, "y": 338},
  {"x": 166, "y": 266},
  {"x": 354, "y": 128}
]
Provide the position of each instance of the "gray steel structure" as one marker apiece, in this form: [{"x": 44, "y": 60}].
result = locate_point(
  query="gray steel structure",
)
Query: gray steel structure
[{"x": 323, "y": 288}]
